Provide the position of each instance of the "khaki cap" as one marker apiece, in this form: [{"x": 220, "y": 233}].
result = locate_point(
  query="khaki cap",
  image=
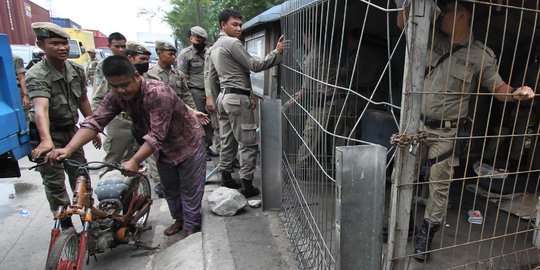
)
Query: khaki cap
[
  {"x": 49, "y": 30},
  {"x": 91, "y": 51},
  {"x": 164, "y": 45},
  {"x": 137, "y": 47},
  {"x": 199, "y": 32}
]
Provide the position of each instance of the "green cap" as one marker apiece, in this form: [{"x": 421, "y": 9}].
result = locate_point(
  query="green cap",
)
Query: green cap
[{"x": 49, "y": 30}]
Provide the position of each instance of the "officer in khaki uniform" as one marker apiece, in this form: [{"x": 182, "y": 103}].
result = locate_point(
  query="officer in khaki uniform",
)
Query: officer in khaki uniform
[
  {"x": 191, "y": 64},
  {"x": 229, "y": 63},
  {"x": 165, "y": 72},
  {"x": 470, "y": 63},
  {"x": 90, "y": 66},
  {"x": 57, "y": 89},
  {"x": 20, "y": 73}
]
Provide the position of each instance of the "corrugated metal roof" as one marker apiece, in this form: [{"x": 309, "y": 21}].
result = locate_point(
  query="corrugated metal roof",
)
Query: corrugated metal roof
[{"x": 276, "y": 12}]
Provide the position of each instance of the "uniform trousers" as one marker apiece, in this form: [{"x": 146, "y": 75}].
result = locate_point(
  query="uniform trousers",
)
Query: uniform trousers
[
  {"x": 118, "y": 144},
  {"x": 53, "y": 175},
  {"x": 199, "y": 97},
  {"x": 439, "y": 142},
  {"x": 238, "y": 131}
]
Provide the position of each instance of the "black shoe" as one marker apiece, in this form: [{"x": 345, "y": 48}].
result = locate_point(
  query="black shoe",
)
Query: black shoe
[
  {"x": 228, "y": 181},
  {"x": 66, "y": 223},
  {"x": 423, "y": 239},
  {"x": 210, "y": 153},
  {"x": 236, "y": 163},
  {"x": 159, "y": 190},
  {"x": 248, "y": 190}
]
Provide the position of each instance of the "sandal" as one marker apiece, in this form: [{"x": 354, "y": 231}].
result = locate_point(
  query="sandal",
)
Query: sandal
[{"x": 174, "y": 228}]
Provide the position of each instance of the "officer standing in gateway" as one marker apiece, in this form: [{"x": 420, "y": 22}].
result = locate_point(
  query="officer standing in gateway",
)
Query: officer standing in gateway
[
  {"x": 57, "y": 88},
  {"x": 229, "y": 63},
  {"x": 191, "y": 63},
  {"x": 165, "y": 72}
]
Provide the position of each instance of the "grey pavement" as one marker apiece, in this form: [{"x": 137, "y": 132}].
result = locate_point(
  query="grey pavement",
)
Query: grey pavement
[{"x": 251, "y": 239}]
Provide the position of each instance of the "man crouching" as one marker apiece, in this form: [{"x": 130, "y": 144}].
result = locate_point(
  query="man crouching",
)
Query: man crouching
[{"x": 165, "y": 126}]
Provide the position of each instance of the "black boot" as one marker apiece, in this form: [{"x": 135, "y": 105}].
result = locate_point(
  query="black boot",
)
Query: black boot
[
  {"x": 423, "y": 239},
  {"x": 228, "y": 181},
  {"x": 248, "y": 190}
]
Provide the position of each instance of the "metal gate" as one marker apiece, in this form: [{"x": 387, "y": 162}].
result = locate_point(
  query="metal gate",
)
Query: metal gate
[{"x": 348, "y": 79}]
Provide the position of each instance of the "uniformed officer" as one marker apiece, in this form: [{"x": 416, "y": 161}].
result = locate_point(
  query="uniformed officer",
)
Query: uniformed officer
[
  {"x": 20, "y": 73},
  {"x": 119, "y": 142},
  {"x": 191, "y": 64},
  {"x": 469, "y": 64},
  {"x": 165, "y": 72},
  {"x": 90, "y": 66},
  {"x": 57, "y": 89},
  {"x": 229, "y": 63}
]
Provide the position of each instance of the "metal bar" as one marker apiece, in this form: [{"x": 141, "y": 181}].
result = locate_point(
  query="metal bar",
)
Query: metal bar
[
  {"x": 405, "y": 173},
  {"x": 271, "y": 145},
  {"x": 360, "y": 180}
]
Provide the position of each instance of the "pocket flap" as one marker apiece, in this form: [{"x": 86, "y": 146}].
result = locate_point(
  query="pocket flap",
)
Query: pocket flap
[
  {"x": 248, "y": 126},
  {"x": 233, "y": 101}
]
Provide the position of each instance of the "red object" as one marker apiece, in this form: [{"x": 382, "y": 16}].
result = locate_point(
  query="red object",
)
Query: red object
[
  {"x": 82, "y": 249},
  {"x": 16, "y": 17},
  {"x": 54, "y": 235},
  {"x": 100, "y": 39}
]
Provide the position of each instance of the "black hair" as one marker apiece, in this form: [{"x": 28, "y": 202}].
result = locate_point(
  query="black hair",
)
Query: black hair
[
  {"x": 116, "y": 36},
  {"x": 226, "y": 14},
  {"x": 117, "y": 65}
]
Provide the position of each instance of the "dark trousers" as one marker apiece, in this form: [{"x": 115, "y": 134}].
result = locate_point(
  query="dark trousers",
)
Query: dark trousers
[{"x": 184, "y": 186}]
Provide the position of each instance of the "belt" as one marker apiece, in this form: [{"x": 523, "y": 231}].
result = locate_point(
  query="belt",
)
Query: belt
[
  {"x": 238, "y": 91},
  {"x": 197, "y": 88},
  {"x": 434, "y": 123}
]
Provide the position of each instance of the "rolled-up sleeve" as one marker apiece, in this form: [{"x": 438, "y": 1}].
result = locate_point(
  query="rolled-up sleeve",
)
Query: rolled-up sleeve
[
  {"x": 109, "y": 107},
  {"x": 37, "y": 87},
  {"x": 160, "y": 109}
]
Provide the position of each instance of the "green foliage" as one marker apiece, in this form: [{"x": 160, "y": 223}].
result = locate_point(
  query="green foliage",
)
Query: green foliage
[{"x": 183, "y": 14}]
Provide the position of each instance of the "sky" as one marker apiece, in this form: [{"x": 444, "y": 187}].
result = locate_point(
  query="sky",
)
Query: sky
[{"x": 112, "y": 15}]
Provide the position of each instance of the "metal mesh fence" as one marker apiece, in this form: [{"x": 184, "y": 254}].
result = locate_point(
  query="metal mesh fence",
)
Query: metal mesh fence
[{"x": 345, "y": 78}]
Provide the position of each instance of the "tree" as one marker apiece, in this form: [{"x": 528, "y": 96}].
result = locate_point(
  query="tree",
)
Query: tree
[{"x": 183, "y": 15}]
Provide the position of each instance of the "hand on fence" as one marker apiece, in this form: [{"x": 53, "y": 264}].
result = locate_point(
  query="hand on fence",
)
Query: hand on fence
[{"x": 523, "y": 93}]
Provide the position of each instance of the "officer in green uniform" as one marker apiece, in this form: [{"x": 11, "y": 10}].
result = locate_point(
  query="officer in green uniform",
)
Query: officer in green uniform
[
  {"x": 20, "y": 73},
  {"x": 165, "y": 72},
  {"x": 229, "y": 63},
  {"x": 470, "y": 63},
  {"x": 191, "y": 64},
  {"x": 57, "y": 89}
]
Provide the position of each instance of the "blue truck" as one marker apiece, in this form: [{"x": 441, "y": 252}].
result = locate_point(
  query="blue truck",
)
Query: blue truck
[{"x": 14, "y": 136}]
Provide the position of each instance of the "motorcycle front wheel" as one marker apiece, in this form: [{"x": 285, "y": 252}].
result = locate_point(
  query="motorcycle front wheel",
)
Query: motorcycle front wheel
[{"x": 63, "y": 255}]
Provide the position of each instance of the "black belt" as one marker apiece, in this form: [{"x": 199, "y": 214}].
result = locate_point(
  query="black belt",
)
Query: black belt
[
  {"x": 228, "y": 90},
  {"x": 434, "y": 123}
]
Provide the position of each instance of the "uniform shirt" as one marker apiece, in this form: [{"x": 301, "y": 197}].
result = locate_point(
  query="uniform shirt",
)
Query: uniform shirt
[
  {"x": 173, "y": 78},
  {"x": 229, "y": 61},
  {"x": 170, "y": 126},
  {"x": 98, "y": 75},
  {"x": 316, "y": 67},
  {"x": 91, "y": 66},
  {"x": 18, "y": 63},
  {"x": 459, "y": 76},
  {"x": 191, "y": 63},
  {"x": 64, "y": 90}
]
